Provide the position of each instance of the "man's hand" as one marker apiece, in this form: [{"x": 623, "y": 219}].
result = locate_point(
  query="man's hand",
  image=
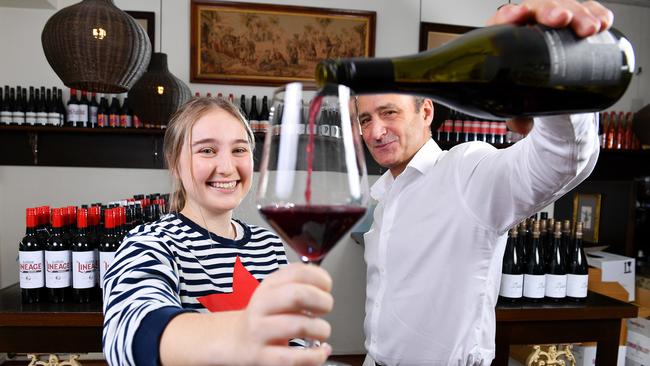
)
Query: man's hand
[{"x": 585, "y": 18}]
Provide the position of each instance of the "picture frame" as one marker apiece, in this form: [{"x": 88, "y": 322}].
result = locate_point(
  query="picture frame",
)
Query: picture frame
[
  {"x": 433, "y": 35},
  {"x": 146, "y": 19},
  {"x": 265, "y": 44},
  {"x": 586, "y": 208}
]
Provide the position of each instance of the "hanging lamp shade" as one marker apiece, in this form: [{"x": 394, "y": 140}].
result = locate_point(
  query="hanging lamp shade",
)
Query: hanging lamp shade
[
  {"x": 158, "y": 93},
  {"x": 95, "y": 46}
]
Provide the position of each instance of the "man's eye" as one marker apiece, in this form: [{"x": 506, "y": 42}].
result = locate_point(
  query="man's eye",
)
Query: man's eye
[
  {"x": 240, "y": 150},
  {"x": 206, "y": 150}
]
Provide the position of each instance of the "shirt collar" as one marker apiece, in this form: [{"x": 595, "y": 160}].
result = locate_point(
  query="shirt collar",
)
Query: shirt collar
[{"x": 422, "y": 161}]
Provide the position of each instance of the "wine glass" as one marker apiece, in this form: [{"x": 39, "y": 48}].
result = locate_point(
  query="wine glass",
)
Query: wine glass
[{"x": 313, "y": 185}]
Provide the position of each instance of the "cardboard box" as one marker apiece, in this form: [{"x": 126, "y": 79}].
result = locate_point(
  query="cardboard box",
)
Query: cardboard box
[
  {"x": 615, "y": 268},
  {"x": 586, "y": 355}
]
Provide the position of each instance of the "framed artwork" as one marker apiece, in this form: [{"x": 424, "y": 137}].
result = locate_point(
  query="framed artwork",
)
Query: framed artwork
[
  {"x": 264, "y": 44},
  {"x": 146, "y": 19},
  {"x": 586, "y": 208},
  {"x": 433, "y": 35}
]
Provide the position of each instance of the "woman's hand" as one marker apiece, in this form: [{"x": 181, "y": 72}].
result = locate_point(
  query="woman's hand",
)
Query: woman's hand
[{"x": 287, "y": 305}]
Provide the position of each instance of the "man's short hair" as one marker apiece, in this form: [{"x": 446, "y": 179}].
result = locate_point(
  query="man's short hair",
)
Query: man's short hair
[{"x": 418, "y": 102}]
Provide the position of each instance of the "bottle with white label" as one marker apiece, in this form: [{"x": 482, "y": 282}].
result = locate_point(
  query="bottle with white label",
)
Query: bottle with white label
[
  {"x": 556, "y": 278},
  {"x": 30, "y": 257},
  {"x": 108, "y": 245},
  {"x": 577, "y": 270},
  {"x": 512, "y": 275},
  {"x": 534, "y": 274},
  {"x": 83, "y": 261},
  {"x": 58, "y": 276}
]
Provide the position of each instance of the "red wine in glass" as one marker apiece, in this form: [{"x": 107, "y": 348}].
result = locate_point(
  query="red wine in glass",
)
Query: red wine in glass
[{"x": 312, "y": 230}]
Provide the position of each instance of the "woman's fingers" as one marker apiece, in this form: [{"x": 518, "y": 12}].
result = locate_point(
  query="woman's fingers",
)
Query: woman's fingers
[
  {"x": 291, "y": 298},
  {"x": 285, "y": 356},
  {"x": 277, "y": 329},
  {"x": 300, "y": 273}
]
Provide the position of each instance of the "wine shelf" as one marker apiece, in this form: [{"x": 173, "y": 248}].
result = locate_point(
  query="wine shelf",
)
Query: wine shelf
[{"x": 142, "y": 148}]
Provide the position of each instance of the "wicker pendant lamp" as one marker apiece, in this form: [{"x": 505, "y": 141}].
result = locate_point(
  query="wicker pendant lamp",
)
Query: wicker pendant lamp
[
  {"x": 158, "y": 93},
  {"x": 95, "y": 46}
]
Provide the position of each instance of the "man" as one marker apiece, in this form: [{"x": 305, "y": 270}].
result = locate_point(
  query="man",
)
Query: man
[{"x": 435, "y": 248}]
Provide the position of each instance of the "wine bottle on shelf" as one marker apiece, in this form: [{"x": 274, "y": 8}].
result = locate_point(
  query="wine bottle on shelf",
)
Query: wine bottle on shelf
[
  {"x": 83, "y": 261},
  {"x": 501, "y": 71},
  {"x": 577, "y": 269},
  {"x": 41, "y": 110},
  {"x": 31, "y": 262},
  {"x": 556, "y": 278},
  {"x": 231, "y": 98},
  {"x": 30, "y": 109},
  {"x": 60, "y": 108},
  {"x": 265, "y": 114},
  {"x": 53, "y": 117},
  {"x": 534, "y": 273},
  {"x": 5, "y": 119},
  {"x": 242, "y": 106},
  {"x": 102, "y": 113},
  {"x": 114, "y": 113},
  {"x": 566, "y": 237},
  {"x": 253, "y": 115},
  {"x": 72, "y": 109},
  {"x": 18, "y": 112},
  {"x": 93, "y": 111},
  {"x": 83, "y": 118},
  {"x": 108, "y": 245},
  {"x": 57, "y": 261},
  {"x": 512, "y": 275},
  {"x": 126, "y": 114}
]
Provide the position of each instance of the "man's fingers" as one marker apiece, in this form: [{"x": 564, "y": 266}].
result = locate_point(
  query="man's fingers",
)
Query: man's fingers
[
  {"x": 280, "y": 328},
  {"x": 300, "y": 273},
  {"x": 285, "y": 356},
  {"x": 292, "y": 298},
  {"x": 584, "y": 18}
]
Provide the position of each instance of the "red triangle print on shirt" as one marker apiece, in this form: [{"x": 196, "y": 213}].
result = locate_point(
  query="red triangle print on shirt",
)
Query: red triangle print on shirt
[{"x": 243, "y": 286}]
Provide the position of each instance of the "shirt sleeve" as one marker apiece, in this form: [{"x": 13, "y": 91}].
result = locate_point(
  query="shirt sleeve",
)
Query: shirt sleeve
[
  {"x": 141, "y": 281},
  {"x": 502, "y": 187}
]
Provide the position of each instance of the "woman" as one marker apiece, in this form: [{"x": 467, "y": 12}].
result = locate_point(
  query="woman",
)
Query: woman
[{"x": 167, "y": 274}]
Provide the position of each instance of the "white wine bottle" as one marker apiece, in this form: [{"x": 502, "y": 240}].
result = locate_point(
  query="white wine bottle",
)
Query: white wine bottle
[{"x": 501, "y": 72}]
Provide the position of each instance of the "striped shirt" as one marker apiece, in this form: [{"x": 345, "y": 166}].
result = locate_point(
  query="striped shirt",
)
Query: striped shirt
[{"x": 160, "y": 270}]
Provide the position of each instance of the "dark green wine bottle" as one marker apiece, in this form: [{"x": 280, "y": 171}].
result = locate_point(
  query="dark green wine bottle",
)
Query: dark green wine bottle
[{"x": 501, "y": 72}]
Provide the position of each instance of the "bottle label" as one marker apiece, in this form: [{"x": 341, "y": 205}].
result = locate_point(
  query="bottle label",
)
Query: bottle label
[
  {"x": 18, "y": 117},
  {"x": 577, "y": 285},
  {"x": 57, "y": 265},
  {"x": 30, "y": 118},
  {"x": 113, "y": 120},
  {"x": 126, "y": 121},
  {"x": 93, "y": 115},
  {"x": 596, "y": 59},
  {"x": 73, "y": 113},
  {"x": 335, "y": 131},
  {"x": 41, "y": 118},
  {"x": 31, "y": 269},
  {"x": 6, "y": 117},
  {"x": 82, "y": 114},
  {"x": 105, "y": 260},
  {"x": 83, "y": 269},
  {"x": 324, "y": 130},
  {"x": 102, "y": 120},
  {"x": 556, "y": 286},
  {"x": 534, "y": 286},
  {"x": 512, "y": 286},
  {"x": 53, "y": 118}
]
